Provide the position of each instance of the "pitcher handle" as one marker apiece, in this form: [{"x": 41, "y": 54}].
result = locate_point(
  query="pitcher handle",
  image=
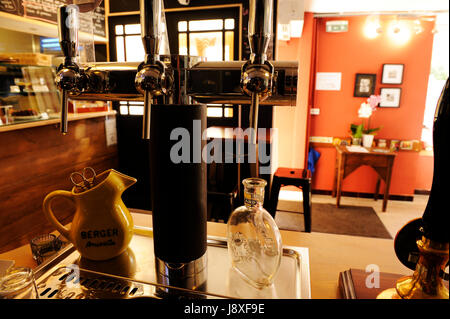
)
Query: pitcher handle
[{"x": 47, "y": 206}]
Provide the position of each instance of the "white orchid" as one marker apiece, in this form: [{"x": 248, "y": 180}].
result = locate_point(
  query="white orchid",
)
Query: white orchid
[{"x": 365, "y": 111}]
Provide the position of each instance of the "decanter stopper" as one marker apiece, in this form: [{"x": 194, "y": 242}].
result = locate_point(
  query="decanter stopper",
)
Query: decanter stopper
[{"x": 254, "y": 240}]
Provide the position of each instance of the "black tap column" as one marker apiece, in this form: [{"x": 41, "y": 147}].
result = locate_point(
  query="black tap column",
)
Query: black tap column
[{"x": 179, "y": 193}]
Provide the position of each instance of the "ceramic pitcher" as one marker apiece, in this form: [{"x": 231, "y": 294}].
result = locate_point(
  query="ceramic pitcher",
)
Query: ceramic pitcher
[{"x": 102, "y": 226}]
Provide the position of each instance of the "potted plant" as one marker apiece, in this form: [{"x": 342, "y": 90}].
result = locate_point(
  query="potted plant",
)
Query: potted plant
[
  {"x": 365, "y": 112},
  {"x": 356, "y": 132}
]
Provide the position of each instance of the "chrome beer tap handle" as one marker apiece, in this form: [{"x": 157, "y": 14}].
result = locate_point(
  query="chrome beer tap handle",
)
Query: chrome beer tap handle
[
  {"x": 257, "y": 73},
  {"x": 68, "y": 75},
  {"x": 152, "y": 78}
]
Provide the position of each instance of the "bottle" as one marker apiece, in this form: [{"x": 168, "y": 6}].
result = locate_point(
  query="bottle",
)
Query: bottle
[{"x": 254, "y": 240}]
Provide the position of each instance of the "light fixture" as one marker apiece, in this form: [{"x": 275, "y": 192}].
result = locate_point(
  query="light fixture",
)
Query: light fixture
[
  {"x": 417, "y": 27},
  {"x": 372, "y": 27},
  {"x": 399, "y": 32}
]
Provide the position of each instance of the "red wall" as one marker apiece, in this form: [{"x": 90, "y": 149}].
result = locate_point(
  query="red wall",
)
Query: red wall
[{"x": 350, "y": 53}]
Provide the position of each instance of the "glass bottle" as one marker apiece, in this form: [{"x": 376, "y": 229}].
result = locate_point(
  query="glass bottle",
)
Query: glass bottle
[{"x": 254, "y": 240}]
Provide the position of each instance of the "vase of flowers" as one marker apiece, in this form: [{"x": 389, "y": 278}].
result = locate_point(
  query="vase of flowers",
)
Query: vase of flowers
[{"x": 361, "y": 131}]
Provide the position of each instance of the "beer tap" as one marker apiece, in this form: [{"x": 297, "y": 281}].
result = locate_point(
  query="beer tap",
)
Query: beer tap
[
  {"x": 68, "y": 78},
  {"x": 153, "y": 78},
  {"x": 257, "y": 72}
]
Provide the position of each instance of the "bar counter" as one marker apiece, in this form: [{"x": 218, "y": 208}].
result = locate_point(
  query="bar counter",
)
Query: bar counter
[
  {"x": 329, "y": 254},
  {"x": 53, "y": 121}
]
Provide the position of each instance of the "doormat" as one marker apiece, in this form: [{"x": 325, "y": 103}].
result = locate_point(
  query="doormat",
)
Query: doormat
[{"x": 345, "y": 220}]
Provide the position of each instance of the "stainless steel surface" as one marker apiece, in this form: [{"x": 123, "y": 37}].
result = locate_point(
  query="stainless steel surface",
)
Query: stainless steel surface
[
  {"x": 137, "y": 267},
  {"x": 189, "y": 275},
  {"x": 204, "y": 82},
  {"x": 220, "y": 82}
]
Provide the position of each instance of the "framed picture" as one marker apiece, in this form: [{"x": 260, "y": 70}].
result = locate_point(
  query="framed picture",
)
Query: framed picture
[
  {"x": 406, "y": 145},
  {"x": 364, "y": 85},
  {"x": 390, "y": 97},
  {"x": 392, "y": 74}
]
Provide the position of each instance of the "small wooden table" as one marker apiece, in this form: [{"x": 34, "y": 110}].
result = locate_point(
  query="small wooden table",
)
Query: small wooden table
[{"x": 348, "y": 161}]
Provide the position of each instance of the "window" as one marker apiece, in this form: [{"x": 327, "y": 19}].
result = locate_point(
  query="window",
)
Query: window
[
  {"x": 211, "y": 38},
  {"x": 128, "y": 42},
  {"x": 438, "y": 76},
  {"x": 131, "y": 108},
  {"x": 213, "y": 34}
]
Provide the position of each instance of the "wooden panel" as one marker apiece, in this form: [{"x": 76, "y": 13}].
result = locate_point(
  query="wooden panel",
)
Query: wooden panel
[{"x": 36, "y": 161}]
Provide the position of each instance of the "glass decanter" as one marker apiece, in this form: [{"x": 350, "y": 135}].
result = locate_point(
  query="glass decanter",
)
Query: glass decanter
[{"x": 254, "y": 240}]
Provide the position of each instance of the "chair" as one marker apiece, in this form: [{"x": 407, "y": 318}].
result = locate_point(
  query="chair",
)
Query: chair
[{"x": 296, "y": 177}]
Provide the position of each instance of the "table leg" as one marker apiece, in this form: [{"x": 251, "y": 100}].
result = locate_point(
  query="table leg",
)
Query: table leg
[
  {"x": 336, "y": 172},
  {"x": 388, "y": 183},
  {"x": 377, "y": 189},
  {"x": 340, "y": 176},
  {"x": 306, "y": 189}
]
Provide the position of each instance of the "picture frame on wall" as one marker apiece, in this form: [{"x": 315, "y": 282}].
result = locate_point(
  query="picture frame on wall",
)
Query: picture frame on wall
[
  {"x": 364, "y": 84},
  {"x": 392, "y": 73},
  {"x": 390, "y": 97}
]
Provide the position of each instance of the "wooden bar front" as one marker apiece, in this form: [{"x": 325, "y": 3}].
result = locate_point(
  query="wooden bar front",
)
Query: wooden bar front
[{"x": 36, "y": 159}]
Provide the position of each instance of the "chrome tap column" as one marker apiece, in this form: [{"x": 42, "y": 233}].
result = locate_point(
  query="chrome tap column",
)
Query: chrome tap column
[
  {"x": 257, "y": 73},
  {"x": 68, "y": 76},
  {"x": 152, "y": 78}
]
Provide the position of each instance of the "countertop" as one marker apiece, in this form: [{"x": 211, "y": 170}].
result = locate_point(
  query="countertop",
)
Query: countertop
[
  {"x": 329, "y": 254},
  {"x": 71, "y": 117}
]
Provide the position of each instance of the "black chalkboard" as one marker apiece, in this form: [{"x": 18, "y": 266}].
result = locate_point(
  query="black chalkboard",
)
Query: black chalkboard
[
  {"x": 45, "y": 10},
  {"x": 11, "y": 6}
]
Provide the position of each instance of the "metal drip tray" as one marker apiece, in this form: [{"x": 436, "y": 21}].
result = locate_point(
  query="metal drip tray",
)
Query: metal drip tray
[
  {"x": 132, "y": 275},
  {"x": 70, "y": 282}
]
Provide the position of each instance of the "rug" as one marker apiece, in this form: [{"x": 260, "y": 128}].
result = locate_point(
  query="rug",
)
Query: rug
[{"x": 345, "y": 220}]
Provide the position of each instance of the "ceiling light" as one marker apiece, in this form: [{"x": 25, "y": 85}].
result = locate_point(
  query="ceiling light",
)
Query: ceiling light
[
  {"x": 373, "y": 27},
  {"x": 417, "y": 26}
]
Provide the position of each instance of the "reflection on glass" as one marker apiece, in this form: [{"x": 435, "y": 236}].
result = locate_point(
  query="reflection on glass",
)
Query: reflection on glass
[
  {"x": 120, "y": 50},
  {"x": 214, "y": 111},
  {"x": 228, "y": 112},
  {"x": 119, "y": 29},
  {"x": 182, "y": 44},
  {"x": 134, "y": 48},
  {"x": 136, "y": 110},
  {"x": 206, "y": 44},
  {"x": 182, "y": 26},
  {"x": 203, "y": 25},
  {"x": 229, "y": 45},
  {"x": 229, "y": 24},
  {"x": 132, "y": 29},
  {"x": 124, "y": 109}
]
